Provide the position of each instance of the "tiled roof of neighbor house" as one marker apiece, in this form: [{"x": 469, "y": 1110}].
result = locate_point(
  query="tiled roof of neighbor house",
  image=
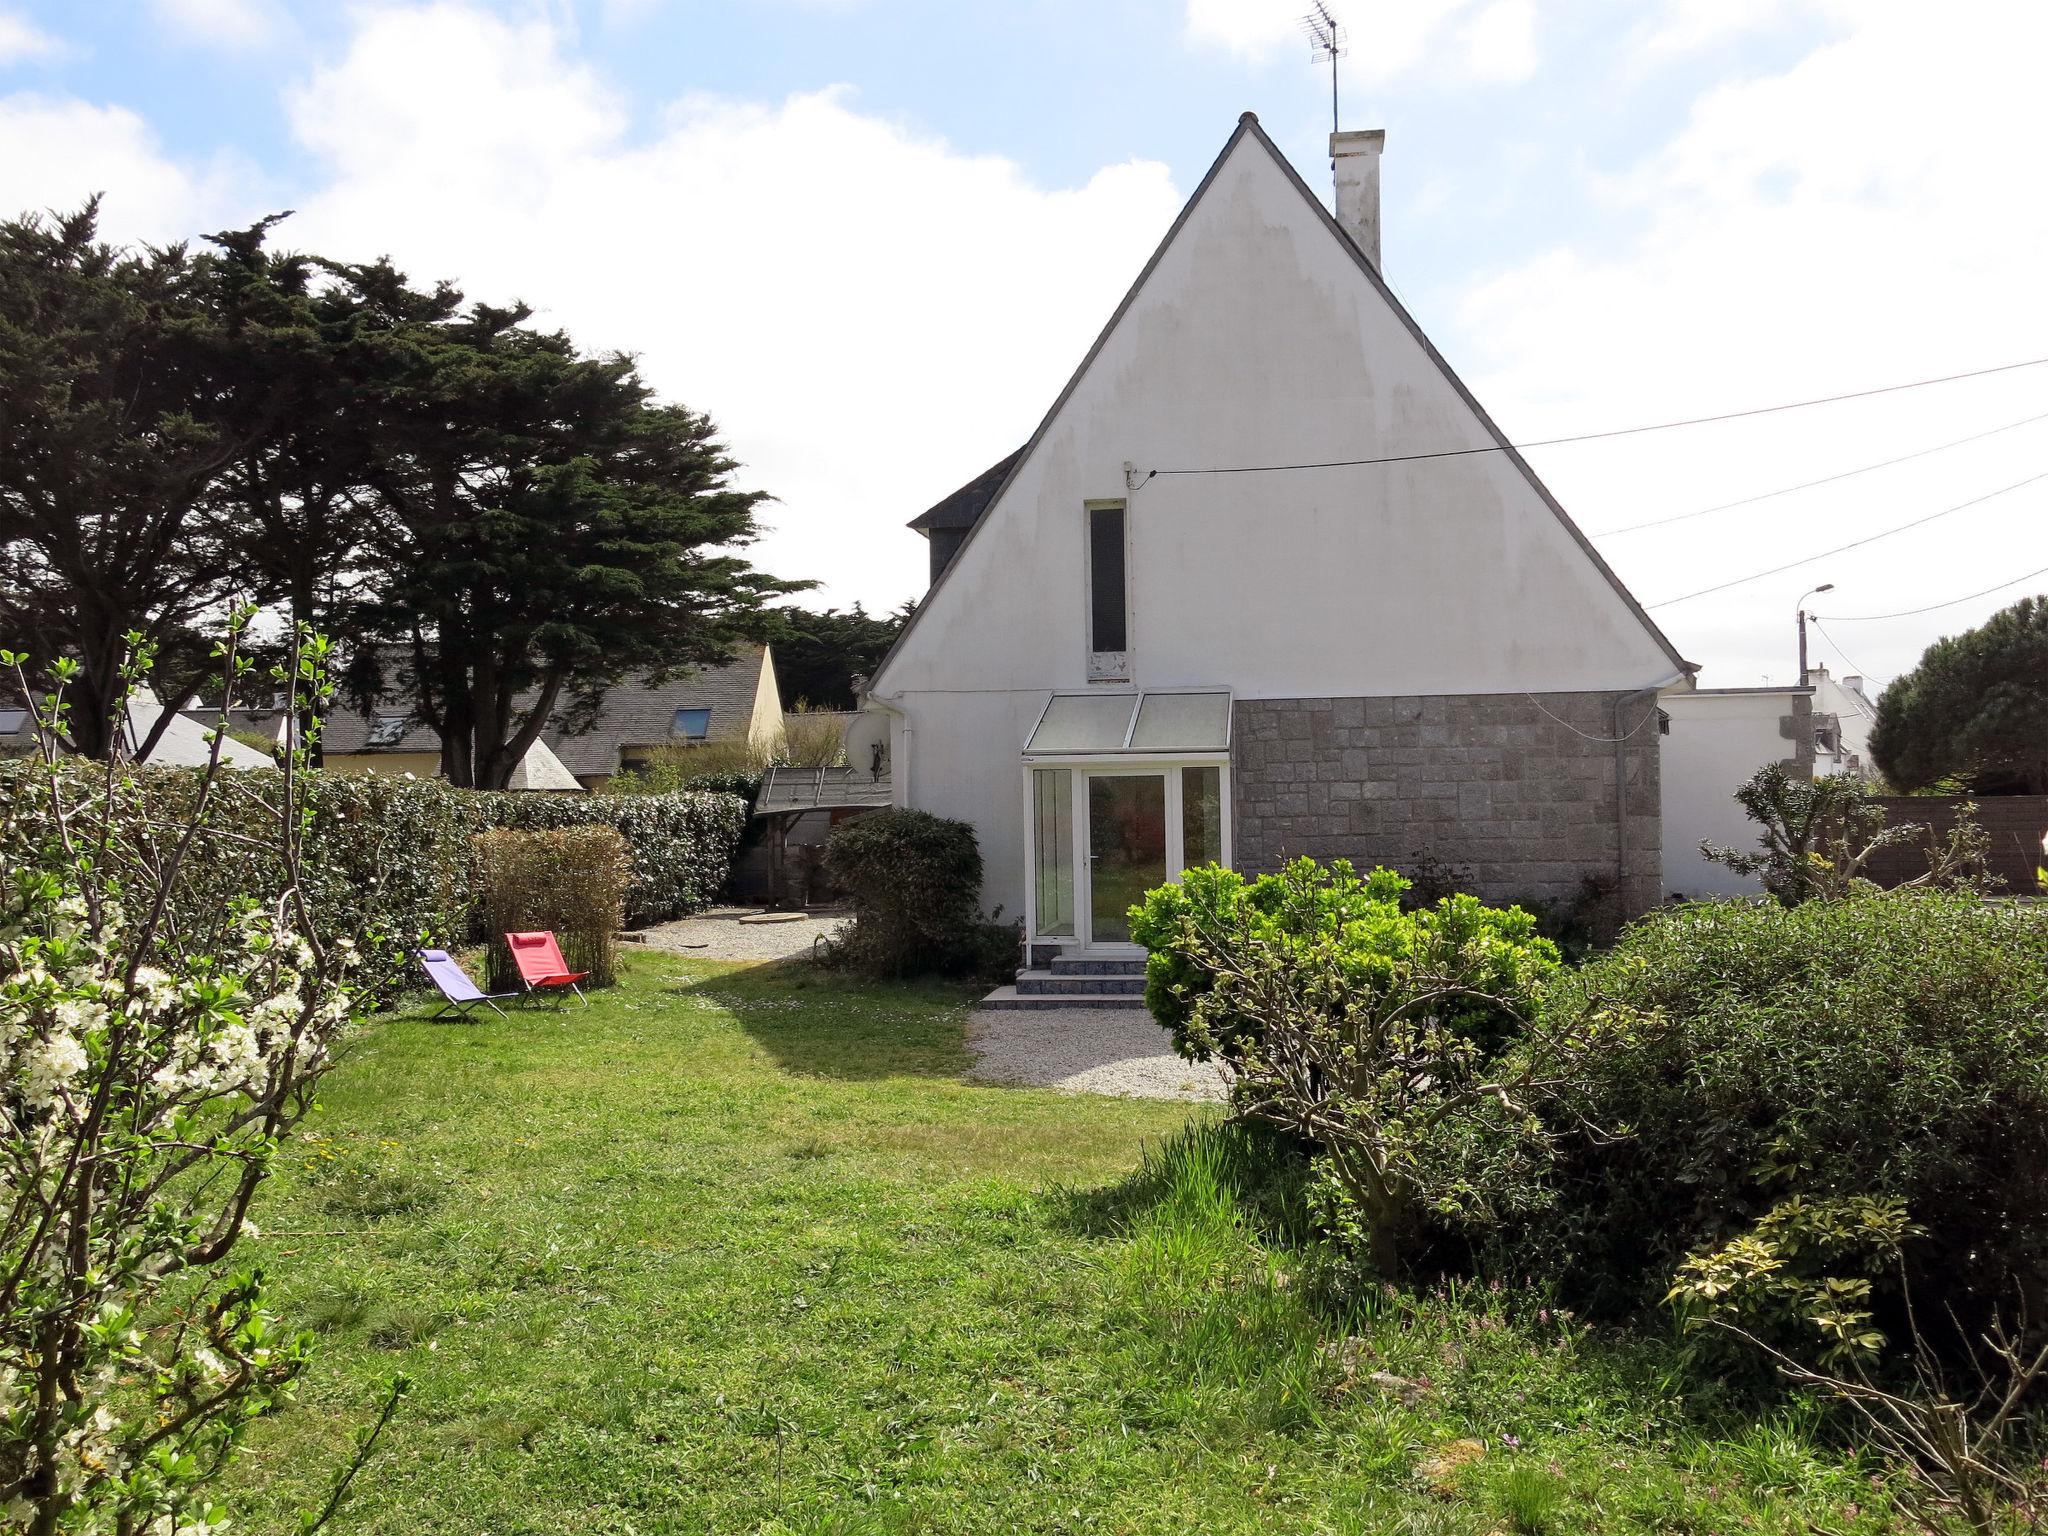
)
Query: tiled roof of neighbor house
[
  {"x": 346, "y": 733},
  {"x": 632, "y": 715},
  {"x": 964, "y": 507},
  {"x": 638, "y": 716}
]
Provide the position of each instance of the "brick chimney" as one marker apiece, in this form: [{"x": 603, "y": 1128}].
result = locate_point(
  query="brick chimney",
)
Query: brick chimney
[{"x": 1356, "y": 157}]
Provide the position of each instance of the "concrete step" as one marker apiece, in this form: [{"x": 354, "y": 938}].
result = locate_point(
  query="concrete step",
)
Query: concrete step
[
  {"x": 1054, "y": 983},
  {"x": 1011, "y": 998},
  {"x": 1079, "y": 965}
]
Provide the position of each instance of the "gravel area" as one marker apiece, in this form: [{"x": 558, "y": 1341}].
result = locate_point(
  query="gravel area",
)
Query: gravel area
[
  {"x": 1113, "y": 1051},
  {"x": 719, "y": 934}
]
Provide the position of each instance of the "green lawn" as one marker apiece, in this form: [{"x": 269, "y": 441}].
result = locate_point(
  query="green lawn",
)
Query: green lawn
[{"x": 737, "y": 1250}]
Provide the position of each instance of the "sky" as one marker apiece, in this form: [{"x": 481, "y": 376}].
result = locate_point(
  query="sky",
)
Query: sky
[{"x": 872, "y": 238}]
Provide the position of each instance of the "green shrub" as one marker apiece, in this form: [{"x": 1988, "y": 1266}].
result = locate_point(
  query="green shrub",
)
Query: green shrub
[
  {"x": 571, "y": 881},
  {"x": 1888, "y": 1047},
  {"x": 914, "y": 882},
  {"x": 1411, "y": 1050},
  {"x": 1367, "y": 920}
]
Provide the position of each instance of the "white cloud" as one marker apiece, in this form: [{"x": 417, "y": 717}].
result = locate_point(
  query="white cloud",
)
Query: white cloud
[
  {"x": 871, "y": 316},
  {"x": 1685, "y": 26},
  {"x": 1500, "y": 42},
  {"x": 1382, "y": 41},
  {"x": 1799, "y": 237},
  {"x": 223, "y": 23},
  {"x": 70, "y": 149},
  {"x": 21, "y": 40}
]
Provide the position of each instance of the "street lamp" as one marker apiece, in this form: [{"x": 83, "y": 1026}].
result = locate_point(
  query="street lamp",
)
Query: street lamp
[{"x": 1826, "y": 586}]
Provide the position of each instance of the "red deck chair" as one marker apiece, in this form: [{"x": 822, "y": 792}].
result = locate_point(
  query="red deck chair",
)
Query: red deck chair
[{"x": 541, "y": 967}]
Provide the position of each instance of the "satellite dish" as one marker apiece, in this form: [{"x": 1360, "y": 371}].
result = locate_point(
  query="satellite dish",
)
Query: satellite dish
[{"x": 867, "y": 744}]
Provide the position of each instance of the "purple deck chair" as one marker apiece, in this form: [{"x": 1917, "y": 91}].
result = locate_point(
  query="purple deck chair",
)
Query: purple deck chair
[{"x": 460, "y": 993}]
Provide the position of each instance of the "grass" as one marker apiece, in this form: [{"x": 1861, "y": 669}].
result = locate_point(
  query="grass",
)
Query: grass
[{"x": 737, "y": 1250}]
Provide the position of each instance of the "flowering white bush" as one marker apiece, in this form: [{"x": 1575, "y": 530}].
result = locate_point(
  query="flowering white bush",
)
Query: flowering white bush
[{"x": 146, "y": 1083}]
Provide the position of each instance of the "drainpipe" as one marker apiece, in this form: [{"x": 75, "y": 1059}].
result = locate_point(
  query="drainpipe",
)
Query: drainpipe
[{"x": 1621, "y": 740}]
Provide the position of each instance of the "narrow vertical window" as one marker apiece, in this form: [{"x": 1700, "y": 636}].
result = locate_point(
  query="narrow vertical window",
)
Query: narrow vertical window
[
  {"x": 1052, "y": 849},
  {"x": 1108, "y": 620},
  {"x": 1201, "y": 816}
]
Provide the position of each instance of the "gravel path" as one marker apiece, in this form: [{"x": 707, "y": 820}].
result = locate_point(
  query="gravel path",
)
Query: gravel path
[
  {"x": 1114, "y": 1051},
  {"x": 718, "y": 934}
]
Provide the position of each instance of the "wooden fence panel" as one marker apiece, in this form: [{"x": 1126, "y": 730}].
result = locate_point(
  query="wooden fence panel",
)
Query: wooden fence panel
[{"x": 2016, "y": 824}]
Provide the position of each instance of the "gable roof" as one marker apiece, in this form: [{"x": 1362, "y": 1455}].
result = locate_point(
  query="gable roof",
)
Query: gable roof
[
  {"x": 964, "y": 507},
  {"x": 1248, "y": 127}
]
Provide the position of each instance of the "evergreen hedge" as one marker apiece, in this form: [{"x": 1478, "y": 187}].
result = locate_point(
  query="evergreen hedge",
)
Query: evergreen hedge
[{"x": 398, "y": 849}]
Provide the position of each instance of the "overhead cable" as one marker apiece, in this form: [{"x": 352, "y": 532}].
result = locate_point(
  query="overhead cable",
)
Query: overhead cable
[{"x": 1823, "y": 554}]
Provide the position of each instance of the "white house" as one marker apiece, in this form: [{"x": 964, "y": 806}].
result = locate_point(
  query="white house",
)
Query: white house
[
  {"x": 1718, "y": 737},
  {"x": 1267, "y": 581}
]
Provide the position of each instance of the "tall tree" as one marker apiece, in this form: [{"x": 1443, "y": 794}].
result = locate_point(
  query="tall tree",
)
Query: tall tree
[
  {"x": 822, "y": 656},
  {"x": 297, "y": 508},
  {"x": 551, "y": 530},
  {"x": 118, "y": 408},
  {"x": 1975, "y": 708}
]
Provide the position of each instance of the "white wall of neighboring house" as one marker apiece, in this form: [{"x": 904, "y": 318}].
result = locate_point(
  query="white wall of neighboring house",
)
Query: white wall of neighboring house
[
  {"x": 1256, "y": 339},
  {"x": 1718, "y": 738}
]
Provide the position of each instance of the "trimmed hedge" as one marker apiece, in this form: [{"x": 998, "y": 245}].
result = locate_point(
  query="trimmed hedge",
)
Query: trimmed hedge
[
  {"x": 397, "y": 849},
  {"x": 682, "y": 844}
]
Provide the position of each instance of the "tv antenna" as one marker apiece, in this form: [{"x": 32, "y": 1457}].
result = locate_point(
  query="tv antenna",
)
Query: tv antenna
[{"x": 1326, "y": 38}]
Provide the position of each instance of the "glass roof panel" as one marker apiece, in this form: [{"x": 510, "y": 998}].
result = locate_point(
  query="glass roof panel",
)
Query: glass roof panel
[
  {"x": 1084, "y": 722},
  {"x": 1183, "y": 722},
  {"x": 1089, "y": 723}
]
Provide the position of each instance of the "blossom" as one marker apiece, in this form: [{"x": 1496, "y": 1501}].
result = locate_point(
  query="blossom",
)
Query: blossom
[{"x": 52, "y": 1063}]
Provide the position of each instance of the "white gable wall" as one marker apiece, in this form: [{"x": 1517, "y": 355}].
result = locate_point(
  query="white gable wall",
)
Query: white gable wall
[{"x": 1256, "y": 339}]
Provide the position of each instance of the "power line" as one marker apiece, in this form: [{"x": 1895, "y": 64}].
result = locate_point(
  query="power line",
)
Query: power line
[
  {"x": 1907, "y": 613},
  {"x": 1852, "y": 544},
  {"x": 1587, "y": 437},
  {"x": 1807, "y": 485},
  {"x": 1838, "y": 650}
]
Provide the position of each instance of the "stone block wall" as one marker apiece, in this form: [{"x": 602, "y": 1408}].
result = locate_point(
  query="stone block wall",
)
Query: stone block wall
[{"x": 1515, "y": 792}]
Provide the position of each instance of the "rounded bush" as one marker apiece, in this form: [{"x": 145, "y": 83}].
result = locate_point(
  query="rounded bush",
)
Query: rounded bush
[
  {"x": 914, "y": 882},
  {"x": 1891, "y": 1046}
]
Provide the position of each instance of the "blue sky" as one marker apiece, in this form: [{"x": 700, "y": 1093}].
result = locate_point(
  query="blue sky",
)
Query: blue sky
[{"x": 873, "y": 236}]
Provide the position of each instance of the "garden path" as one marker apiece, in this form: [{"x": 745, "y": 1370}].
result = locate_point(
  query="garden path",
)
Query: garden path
[
  {"x": 720, "y": 934},
  {"x": 1117, "y": 1052}
]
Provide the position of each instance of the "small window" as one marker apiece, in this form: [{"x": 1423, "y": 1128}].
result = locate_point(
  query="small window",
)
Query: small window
[
  {"x": 693, "y": 725},
  {"x": 1108, "y": 593},
  {"x": 388, "y": 730}
]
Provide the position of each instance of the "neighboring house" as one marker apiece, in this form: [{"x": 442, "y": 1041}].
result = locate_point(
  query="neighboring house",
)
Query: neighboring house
[
  {"x": 1136, "y": 656},
  {"x": 737, "y": 703},
  {"x": 187, "y": 742},
  {"x": 1719, "y": 737}
]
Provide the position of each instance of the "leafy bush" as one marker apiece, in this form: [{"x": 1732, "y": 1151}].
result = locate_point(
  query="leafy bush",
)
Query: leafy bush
[
  {"x": 1410, "y": 1049},
  {"x": 1306, "y": 906},
  {"x": 1888, "y": 1047},
  {"x": 914, "y": 882},
  {"x": 572, "y": 881}
]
